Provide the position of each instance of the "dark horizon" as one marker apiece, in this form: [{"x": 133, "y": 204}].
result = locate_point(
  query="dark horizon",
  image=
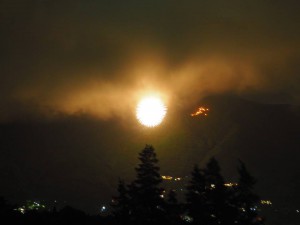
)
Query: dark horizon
[{"x": 73, "y": 160}]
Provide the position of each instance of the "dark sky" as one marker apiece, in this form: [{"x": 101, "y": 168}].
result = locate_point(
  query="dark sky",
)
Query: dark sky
[
  {"x": 70, "y": 56},
  {"x": 64, "y": 60}
]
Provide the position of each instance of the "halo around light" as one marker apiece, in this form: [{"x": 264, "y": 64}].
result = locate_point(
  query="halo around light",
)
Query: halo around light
[{"x": 151, "y": 111}]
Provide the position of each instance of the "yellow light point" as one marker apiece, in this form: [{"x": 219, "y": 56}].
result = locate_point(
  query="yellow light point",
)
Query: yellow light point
[
  {"x": 201, "y": 110},
  {"x": 266, "y": 202},
  {"x": 230, "y": 184},
  {"x": 166, "y": 177}
]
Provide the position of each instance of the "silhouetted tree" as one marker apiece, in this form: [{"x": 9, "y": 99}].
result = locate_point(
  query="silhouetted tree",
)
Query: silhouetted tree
[
  {"x": 120, "y": 204},
  {"x": 173, "y": 208},
  {"x": 246, "y": 199},
  {"x": 196, "y": 197},
  {"x": 208, "y": 200},
  {"x": 146, "y": 204},
  {"x": 218, "y": 196},
  {"x": 71, "y": 215},
  {"x": 4, "y": 206},
  {"x": 7, "y": 212},
  {"x": 172, "y": 199}
]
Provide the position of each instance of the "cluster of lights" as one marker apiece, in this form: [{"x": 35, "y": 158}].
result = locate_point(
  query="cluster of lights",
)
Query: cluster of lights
[
  {"x": 187, "y": 218},
  {"x": 30, "y": 206},
  {"x": 226, "y": 185},
  {"x": 266, "y": 202},
  {"x": 201, "y": 111},
  {"x": 166, "y": 177},
  {"x": 21, "y": 210},
  {"x": 171, "y": 178},
  {"x": 230, "y": 184}
]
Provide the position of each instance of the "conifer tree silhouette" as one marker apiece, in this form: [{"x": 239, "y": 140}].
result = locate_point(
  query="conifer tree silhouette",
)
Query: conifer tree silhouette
[
  {"x": 121, "y": 204},
  {"x": 172, "y": 199},
  {"x": 173, "y": 208},
  {"x": 246, "y": 199},
  {"x": 147, "y": 206},
  {"x": 218, "y": 204},
  {"x": 208, "y": 200},
  {"x": 196, "y": 197}
]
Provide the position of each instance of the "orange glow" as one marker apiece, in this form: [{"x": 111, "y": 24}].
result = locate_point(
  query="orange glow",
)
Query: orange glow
[{"x": 201, "y": 111}]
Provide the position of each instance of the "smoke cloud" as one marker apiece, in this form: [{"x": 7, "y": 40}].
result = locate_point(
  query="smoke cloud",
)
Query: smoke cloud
[{"x": 101, "y": 57}]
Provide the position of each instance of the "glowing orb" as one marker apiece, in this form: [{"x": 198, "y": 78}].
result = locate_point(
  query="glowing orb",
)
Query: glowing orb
[{"x": 151, "y": 111}]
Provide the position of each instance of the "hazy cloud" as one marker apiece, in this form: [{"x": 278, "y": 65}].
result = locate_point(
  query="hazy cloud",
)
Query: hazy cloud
[{"x": 100, "y": 57}]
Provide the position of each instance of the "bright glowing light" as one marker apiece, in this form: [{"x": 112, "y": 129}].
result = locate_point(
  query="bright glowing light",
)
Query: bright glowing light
[
  {"x": 200, "y": 111},
  {"x": 167, "y": 177},
  {"x": 103, "y": 209},
  {"x": 230, "y": 184},
  {"x": 151, "y": 111}
]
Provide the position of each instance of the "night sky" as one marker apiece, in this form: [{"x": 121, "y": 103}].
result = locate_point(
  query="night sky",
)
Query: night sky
[{"x": 72, "y": 73}]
